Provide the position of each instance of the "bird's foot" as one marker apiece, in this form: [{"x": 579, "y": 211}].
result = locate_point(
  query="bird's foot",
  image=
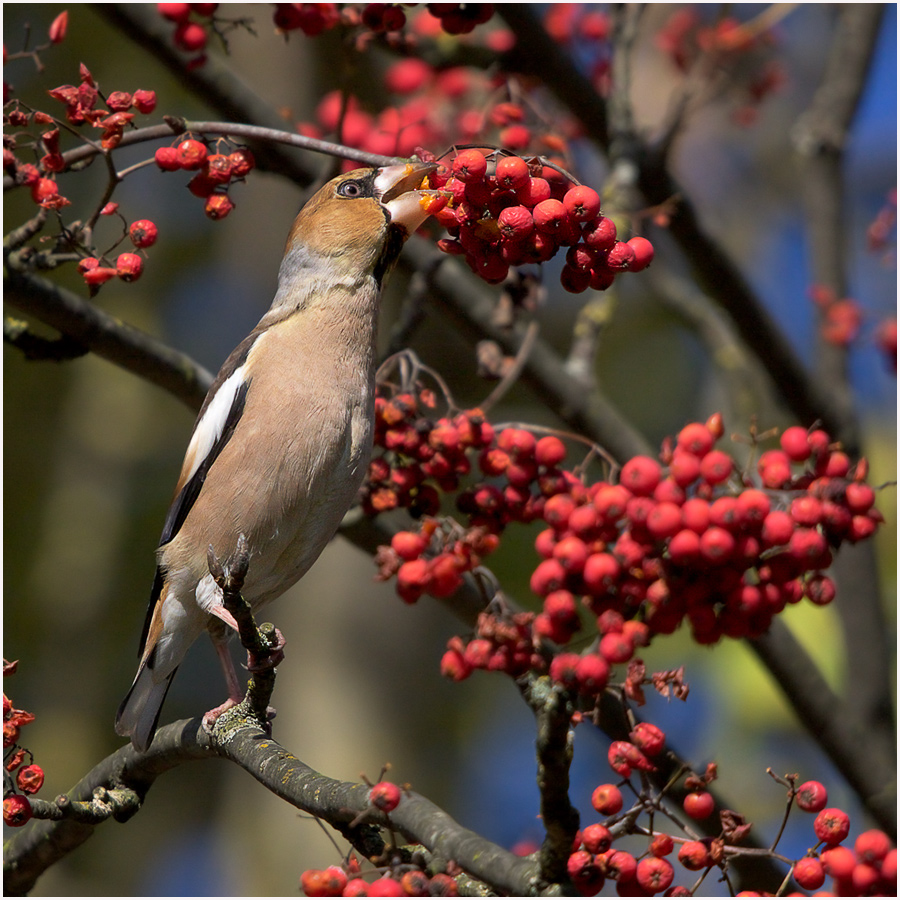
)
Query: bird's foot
[
  {"x": 274, "y": 657},
  {"x": 209, "y": 718}
]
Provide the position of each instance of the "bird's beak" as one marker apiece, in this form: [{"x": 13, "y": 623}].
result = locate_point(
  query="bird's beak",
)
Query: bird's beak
[{"x": 399, "y": 188}]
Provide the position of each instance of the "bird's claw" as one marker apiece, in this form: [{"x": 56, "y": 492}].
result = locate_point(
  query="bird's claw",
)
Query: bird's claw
[{"x": 273, "y": 658}]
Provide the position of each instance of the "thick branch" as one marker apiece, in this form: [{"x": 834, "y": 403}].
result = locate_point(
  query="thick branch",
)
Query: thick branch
[
  {"x": 41, "y": 843},
  {"x": 815, "y": 705},
  {"x": 116, "y": 341},
  {"x": 819, "y": 136}
]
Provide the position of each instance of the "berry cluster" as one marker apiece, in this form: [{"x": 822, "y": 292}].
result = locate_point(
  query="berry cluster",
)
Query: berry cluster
[
  {"x": 214, "y": 172},
  {"x": 686, "y": 537},
  {"x": 83, "y": 103},
  {"x": 128, "y": 266},
  {"x": 28, "y": 778},
  {"x": 869, "y": 869},
  {"x": 506, "y": 211}
]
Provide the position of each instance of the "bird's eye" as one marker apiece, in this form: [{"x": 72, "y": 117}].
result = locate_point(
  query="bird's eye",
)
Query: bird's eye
[{"x": 350, "y": 189}]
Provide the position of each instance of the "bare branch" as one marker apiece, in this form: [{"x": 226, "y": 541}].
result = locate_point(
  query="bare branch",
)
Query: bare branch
[{"x": 116, "y": 341}]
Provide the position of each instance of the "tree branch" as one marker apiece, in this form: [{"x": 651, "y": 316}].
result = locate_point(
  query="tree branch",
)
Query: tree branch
[
  {"x": 116, "y": 341},
  {"x": 819, "y": 137},
  {"x": 41, "y": 843}
]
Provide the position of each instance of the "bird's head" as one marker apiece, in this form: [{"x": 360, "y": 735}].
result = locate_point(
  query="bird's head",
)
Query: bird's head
[{"x": 357, "y": 223}]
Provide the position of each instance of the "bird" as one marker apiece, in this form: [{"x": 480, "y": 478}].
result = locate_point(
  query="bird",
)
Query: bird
[{"x": 283, "y": 439}]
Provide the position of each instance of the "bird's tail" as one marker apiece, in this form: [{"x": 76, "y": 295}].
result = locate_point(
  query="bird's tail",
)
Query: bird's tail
[{"x": 138, "y": 713}]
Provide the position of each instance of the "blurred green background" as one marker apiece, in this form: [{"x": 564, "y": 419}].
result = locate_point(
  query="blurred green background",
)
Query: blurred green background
[{"x": 92, "y": 453}]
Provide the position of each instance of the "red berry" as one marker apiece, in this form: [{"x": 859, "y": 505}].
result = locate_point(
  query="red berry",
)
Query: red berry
[
  {"x": 832, "y": 825},
  {"x": 469, "y": 166},
  {"x": 167, "y": 159},
  {"x": 684, "y": 547},
  {"x": 574, "y": 280},
  {"x": 563, "y": 669},
  {"x": 859, "y": 497},
  {"x": 795, "y": 443},
  {"x": 809, "y": 873},
  {"x": 385, "y": 887},
  {"x": 515, "y": 223},
  {"x": 144, "y": 101},
  {"x": 620, "y": 258},
  {"x": 98, "y": 275},
  {"x": 600, "y": 234},
  {"x": 716, "y": 544},
  {"x": 190, "y": 36},
  {"x": 218, "y": 206},
  {"x": 512, "y": 172},
  {"x": 774, "y": 469},
  {"x": 242, "y": 162},
  {"x": 872, "y": 846},
  {"x": 696, "y": 439},
  {"x": 143, "y": 233},
  {"x": 592, "y": 674},
  {"x": 821, "y": 590},
  {"x": 662, "y": 845},
  {"x": 839, "y": 862},
  {"x": 454, "y": 665},
  {"x": 409, "y": 545},
  {"x": 191, "y": 154},
  {"x": 585, "y": 873},
  {"x": 549, "y": 451},
  {"x": 694, "y": 855},
  {"x": 778, "y": 526},
  {"x": 44, "y": 189},
  {"x": 641, "y": 475},
  {"x": 699, "y": 804},
  {"x": 812, "y": 796},
  {"x": 643, "y": 253},
  {"x": 607, "y": 799},
  {"x": 654, "y": 874},
  {"x": 129, "y": 266},
  {"x": 649, "y": 738},
  {"x": 16, "y": 810},
  {"x": 549, "y": 215},
  {"x": 385, "y": 796},
  {"x": 684, "y": 469},
  {"x": 406, "y": 76},
  {"x": 175, "y": 12},
  {"x": 620, "y": 866},
  {"x": 533, "y": 191},
  {"x": 716, "y": 467},
  {"x": 582, "y": 203},
  {"x": 596, "y": 838}
]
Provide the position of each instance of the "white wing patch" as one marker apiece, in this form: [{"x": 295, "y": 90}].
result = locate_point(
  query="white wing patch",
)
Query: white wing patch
[{"x": 209, "y": 429}]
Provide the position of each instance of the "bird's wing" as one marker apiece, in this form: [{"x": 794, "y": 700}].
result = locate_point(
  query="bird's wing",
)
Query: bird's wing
[{"x": 221, "y": 411}]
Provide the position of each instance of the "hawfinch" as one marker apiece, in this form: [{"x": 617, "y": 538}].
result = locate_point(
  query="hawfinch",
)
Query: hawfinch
[{"x": 283, "y": 438}]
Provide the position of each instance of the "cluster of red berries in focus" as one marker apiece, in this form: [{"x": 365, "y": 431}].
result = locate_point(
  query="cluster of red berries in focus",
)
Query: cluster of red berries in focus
[
  {"x": 129, "y": 266},
  {"x": 868, "y": 869},
  {"x": 687, "y": 536},
  {"x": 507, "y": 211},
  {"x": 83, "y": 104},
  {"x": 28, "y": 778},
  {"x": 214, "y": 172}
]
